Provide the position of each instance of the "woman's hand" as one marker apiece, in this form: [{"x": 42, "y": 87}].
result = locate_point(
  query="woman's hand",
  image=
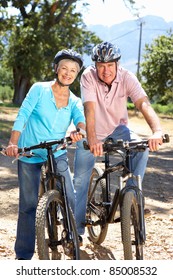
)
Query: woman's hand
[
  {"x": 76, "y": 135},
  {"x": 12, "y": 150}
]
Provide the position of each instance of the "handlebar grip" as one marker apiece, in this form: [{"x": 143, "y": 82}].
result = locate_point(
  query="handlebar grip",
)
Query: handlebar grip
[
  {"x": 81, "y": 131},
  {"x": 85, "y": 145},
  {"x": 20, "y": 150},
  {"x": 166, "y": 138}
]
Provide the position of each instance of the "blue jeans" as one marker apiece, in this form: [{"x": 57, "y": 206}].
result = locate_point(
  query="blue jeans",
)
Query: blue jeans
[
  {"x": 84, "y": 162},
  {"x": 29, "y": 180}
]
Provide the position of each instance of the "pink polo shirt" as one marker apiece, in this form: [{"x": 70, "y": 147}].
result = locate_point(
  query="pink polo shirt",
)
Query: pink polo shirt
[{"x": 111, "y": 106}]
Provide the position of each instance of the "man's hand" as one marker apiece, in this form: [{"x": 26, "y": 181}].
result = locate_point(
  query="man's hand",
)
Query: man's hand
[
  {"x": 96, "y": 147},
  {"x": 155, "y": 141}
]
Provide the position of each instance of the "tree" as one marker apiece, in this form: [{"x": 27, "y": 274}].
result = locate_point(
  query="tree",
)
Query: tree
[
  {"x": 157, "y": 69},
  {"x": 35, "y": 35}
]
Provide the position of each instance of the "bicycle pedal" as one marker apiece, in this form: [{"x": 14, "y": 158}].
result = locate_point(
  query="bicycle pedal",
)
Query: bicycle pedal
[
  {"x": 89, "y": 223},
  {"x": 59, "y": 222},
  {"x": 68, "y": 249},
  {"x": 106, "y": 204},
  {"x": 117, "y": 220},
  {"x": 147, "y": 212},
  {"x": 80, "y": 240}
]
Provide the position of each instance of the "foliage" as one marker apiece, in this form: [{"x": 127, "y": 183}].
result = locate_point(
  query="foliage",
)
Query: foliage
[
  {"x": 160, "y": 109},
  {"x": 6, "y": 93},
  {"x": 163, "y": 109},
  {"x": 6, "y": 76},
  {"x": 130, "y": 106},
  {"x": 31, "y": 38},
  {"x": 157, "y": 69},
  {"x": 6, "y": 109},
  {"x": 5, "y": 129}
]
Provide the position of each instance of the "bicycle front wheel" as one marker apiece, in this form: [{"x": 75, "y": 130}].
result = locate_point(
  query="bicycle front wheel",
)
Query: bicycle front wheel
[
  {"x": 96, "y": 212},
  {"x": 130, "y": 228},
  {"x": 55, "y": 241}
]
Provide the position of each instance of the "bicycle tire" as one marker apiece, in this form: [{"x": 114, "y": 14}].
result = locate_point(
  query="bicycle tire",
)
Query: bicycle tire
[
  {"x": 130, "y": 228},
  {"x": 98, "y": 227},
  {"x": 51, "y": 229}
]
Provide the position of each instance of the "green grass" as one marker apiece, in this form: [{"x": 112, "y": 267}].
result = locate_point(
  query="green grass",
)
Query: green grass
[
  {"x": 8, "y": 104},
  {"x": 163, "y": 109},
  {"x": 5, "y": 129},
  {"x": 166, "y": 110},
  {"x": 6, "y": 125}
]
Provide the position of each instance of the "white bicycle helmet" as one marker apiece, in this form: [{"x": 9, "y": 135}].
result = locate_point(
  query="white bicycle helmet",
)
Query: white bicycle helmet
[
  {"x": 70, "y": 54},
  {"x": 105, "y": 52}
]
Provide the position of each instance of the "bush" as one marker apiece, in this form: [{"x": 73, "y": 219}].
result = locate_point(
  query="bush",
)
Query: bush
[
  {"x": 6, "y": 93},
  {"x": 130, "y": 106},
  {"x": 160, "y": 109},
  {"x": 163, "y": 109}
]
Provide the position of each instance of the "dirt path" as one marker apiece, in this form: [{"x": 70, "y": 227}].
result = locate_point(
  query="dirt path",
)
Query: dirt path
[{"x": 158, "y": 192}]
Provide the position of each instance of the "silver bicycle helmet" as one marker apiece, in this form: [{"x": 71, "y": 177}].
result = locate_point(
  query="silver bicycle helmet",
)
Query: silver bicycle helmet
[
  {"x": 70, "y": 54},
  {"x": 105, "y": 52}
]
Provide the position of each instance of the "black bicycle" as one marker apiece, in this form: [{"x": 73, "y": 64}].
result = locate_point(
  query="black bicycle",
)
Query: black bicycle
[
  {"x": 129, "y": 200},
  {"x": 56, "y": 232}
]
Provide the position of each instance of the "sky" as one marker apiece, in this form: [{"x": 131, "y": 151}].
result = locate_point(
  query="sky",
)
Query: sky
[{"x": 114, "y": 11}]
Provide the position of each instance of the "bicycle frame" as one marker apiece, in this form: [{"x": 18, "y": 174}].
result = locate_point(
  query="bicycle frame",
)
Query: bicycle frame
[
  {"x": 112, "y": 206},
  {"x": 56, "y": 232},
  {"x": 128, "y": 196}
]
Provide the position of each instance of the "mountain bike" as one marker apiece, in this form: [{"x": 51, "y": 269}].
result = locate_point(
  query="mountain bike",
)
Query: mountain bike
[
  {"x": 56, "y": 232},
  {"x": 127, "y": 199}
]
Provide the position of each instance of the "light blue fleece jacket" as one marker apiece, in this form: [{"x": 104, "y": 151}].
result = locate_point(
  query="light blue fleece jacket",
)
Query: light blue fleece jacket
[{"x": 40, "y": 120}]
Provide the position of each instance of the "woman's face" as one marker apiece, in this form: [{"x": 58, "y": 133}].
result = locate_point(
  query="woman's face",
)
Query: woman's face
[{"x": 67, "y": 71}]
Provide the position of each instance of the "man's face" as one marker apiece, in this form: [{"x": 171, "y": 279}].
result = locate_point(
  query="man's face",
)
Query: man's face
[{"x": 106, "y": 71}]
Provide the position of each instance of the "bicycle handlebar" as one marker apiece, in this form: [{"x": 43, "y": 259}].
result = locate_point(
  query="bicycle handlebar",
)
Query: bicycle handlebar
[
  {"x": 110, "y": 145},
  {"x": 64, "y": 142},
  {"x": 67, "y": 141}
]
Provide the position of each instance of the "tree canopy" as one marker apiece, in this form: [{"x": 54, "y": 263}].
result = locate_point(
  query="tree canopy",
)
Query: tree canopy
[
  {"x": 31, "y": 33},
  {"x": 31, "y": 37},
  {"x": 157, "y": 69}
]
